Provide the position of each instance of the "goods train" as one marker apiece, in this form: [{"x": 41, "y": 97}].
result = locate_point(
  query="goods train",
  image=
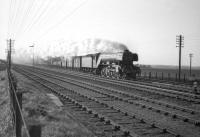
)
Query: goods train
[{"x": 115, "y": 65}]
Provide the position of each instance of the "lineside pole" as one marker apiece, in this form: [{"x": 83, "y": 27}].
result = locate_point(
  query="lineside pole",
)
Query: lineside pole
[
  {"x": 10, "y": 50},
  {"x": 32, "y": 46},
  {"x": 10, "y": 43},
  {"x": 179, "y": 41},
  {"x": 190, "y": 55}
]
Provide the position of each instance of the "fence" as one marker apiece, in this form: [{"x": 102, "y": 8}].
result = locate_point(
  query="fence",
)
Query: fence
[
  {"x": 165, "y": 76},
  {"x": 16, "y": 108}
]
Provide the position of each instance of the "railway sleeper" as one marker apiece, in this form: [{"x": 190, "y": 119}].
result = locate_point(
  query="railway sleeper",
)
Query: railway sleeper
[
  {"x": 125, "y": 94},
  {"x": 159, "y": 111},
  {"x": 174, "y": 116},
  {"x": 108, "y": 122},
  {"x": 143, "y": 106},
  {"x": 159, "y": 103}
]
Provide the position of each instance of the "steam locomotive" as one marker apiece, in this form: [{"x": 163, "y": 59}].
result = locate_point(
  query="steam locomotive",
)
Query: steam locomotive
[{"x": 116, "y": 65}]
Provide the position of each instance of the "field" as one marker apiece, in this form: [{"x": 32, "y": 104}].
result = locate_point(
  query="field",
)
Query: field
[{"x": 170, "y": 73}]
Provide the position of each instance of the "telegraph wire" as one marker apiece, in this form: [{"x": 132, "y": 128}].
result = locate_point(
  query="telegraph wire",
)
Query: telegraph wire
[
  {"x": 28, "y": 16},
  {"x": 15, "y": 14},
  {"x": 33, "y": 12},
  {"x": 34, "y": 22},
  {"x": 45, "y": 18},
  {"x": 19, "y": 15},
  {"x": 9, "y": 18},
  {"x": 68, "y": 13},
  {"x": 36, "y": 10},
  {"x": 63, "y": 19},
  {"x": 24, "y": 19},
  {"x": 45, "y": 10},
  {"x": 18, "y": 4},
  {"x": 12, "y": 3},
  {"x": 39, "y": 17},
  {"x": 11, "y": 15}
]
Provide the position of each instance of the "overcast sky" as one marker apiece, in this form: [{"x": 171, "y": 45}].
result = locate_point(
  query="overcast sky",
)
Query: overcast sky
[{"x": 147, "y": 27}]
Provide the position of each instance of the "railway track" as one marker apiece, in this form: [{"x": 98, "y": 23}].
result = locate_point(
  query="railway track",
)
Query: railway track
[
  {"x": 119, "y": 122},
  {"x": 147, "y": 87},
  {"x": 175, "y": 83},
  {"x": 185, "y": 88},
  {"x": 186, "y": 103},
  {"x": 172, "y": 85},
  {"x": 125, "y": 102}
]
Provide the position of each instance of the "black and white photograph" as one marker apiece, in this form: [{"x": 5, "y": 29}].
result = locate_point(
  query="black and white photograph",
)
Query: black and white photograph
[{"x": 99, "y": 68}]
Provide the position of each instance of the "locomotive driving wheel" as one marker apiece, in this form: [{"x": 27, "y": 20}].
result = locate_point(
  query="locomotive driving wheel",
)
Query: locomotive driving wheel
[
  {"x": 123, "y": 76},
  {"x": 103, "y": 72},
  {"x": 116, "y": 75}
]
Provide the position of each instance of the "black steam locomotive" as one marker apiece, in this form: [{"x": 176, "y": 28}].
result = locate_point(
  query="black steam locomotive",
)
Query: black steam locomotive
[{"x": 115, "y": 65}]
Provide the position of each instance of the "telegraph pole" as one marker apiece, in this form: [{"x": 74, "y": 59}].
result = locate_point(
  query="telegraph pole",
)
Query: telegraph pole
[
  {"x": 9, "y": 53},
  {"x": 9, "y": 50},
  {"x": 179, "y": 41},
  {"x": 32, "y": 46},
  {"x": 190, "y": 55}
]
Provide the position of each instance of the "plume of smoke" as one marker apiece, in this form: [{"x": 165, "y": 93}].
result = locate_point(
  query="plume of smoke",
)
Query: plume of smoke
[
  {"x": 91, "y": 46},
  {"x": 67, "y": 49},
  {"x": 22, "y": 56}
]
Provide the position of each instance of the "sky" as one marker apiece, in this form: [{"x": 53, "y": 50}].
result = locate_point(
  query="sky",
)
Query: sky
[{"x": 146, "y": 27}]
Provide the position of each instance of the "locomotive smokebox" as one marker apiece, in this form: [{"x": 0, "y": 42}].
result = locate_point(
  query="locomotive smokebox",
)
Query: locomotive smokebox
[{"x": 129, "y": 56}]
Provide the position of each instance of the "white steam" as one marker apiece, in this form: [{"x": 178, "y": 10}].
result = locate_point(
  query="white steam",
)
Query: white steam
[
  {"x": 66, "y": 49},
  {"x": 91, "y": 46}
]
